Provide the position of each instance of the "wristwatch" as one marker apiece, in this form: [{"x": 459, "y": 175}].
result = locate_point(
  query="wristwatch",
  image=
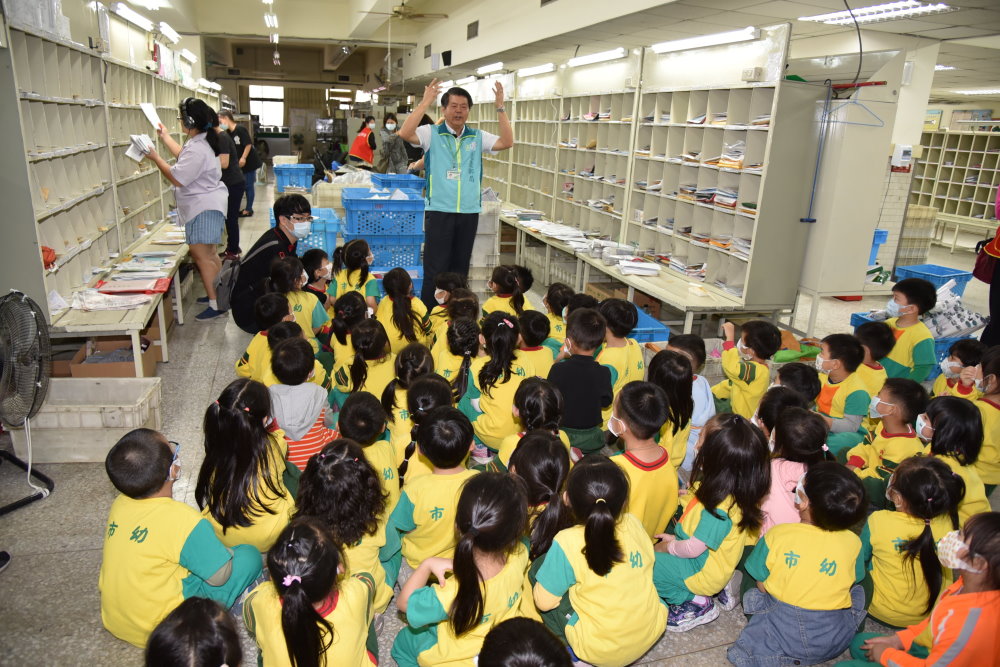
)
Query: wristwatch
[{"x": 501, "y": 110}]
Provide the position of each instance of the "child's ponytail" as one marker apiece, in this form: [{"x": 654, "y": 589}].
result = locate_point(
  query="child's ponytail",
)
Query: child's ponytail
[
  {"x": 542, "y": 463},
  {"x": 508, "y": 283},
  {"x": 398, "y": 287},
  {"x": 463, "y": 341},
  {"x": 285, "y": 274},
  {"x": 597, "y": 490},
  {"x": 352, "y": 256},
  {"x": 412, "y": 361},
  {"x": 426, "y": 393},
  {"x": 491, "y": 517},
  {"x": 348, "y": 310},
  {"x": 539, "y": 404},
  {"x": 671, "y": 371},
  {"x": 303, "y": 565},
  {"x": 501, "y": 332},
  {"x": 370, "y": 343}
]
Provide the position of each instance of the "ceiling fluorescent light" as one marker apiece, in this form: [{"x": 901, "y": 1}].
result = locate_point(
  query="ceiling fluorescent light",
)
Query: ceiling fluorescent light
[
  {"x": 132, "y": 16},
  {"x": 943, "y": 68},
  {"x": 274, "y": 38},
  {"x": 341, "y": 90},
  {"x": 744, "y": 35},
  {"x": 982, "y": 91},
  {"x": 884, "y": 12},
  {"x": 466, "y": 81},
  {"x": 268, "y": 2},
  {"x": 613, "y": 54},
  {"x": 538, "y": 69},
  {"x": 169, "y": 32},
  {"x": 188, "y": 56},
  {"x": 445, "y": 85},
  {"x": 271, "y": 20},
  {"x": 487, "y": 69}
]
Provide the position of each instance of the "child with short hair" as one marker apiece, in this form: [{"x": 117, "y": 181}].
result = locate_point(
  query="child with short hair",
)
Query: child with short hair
[
  {"x": 538, "y": 404},
  {"x": 422, "y": 525},
  {"x": 412, "y": 362},
  {"x": 988, "y": 381},
  {"x": 508, "y": 293},
  {"x": 344, "y": 491},
  {"x": 403, "y": 315},
  {"x": 603, "y": 564},
  {"x": 584, "y": 383},
  {"x": 639, "y": 411},
  {"x": 693, "y": 347},
  {"x": 577, "y": 301},
  {"x": 269, "y": 309},
  {"x": 319, "y": 272},
  {"x": 287, "y": 278},
  {"x": 556, "y": 300},
  {"x": 877, "y": 340},
  {"x": 912, "y": 357},
  {"x": 954, "y": 428},
  {"x": 745, "y": 365},
  {"x": 843, "y": 400},
  {"x": 244, "y": 497},
  {"x": 163, "y": 543},
  {"x": 426, "y": 393},
  {"x": 297, "y": 405},
  {"x": 487, "y": 583},
  {"x": 351, "y": 272},
  {"x": 897, "y": 405},
  {"x": 523, "y": 642},
  {"x": 671, "y": 372},
  {"x": 198, "y": 632},
  {"x": 896, "y": 543},
  {"x": 280, "y": 332},
  {"x": 453, "y": 361},
  {"x": 721, "y": 513},
  {"x": 373, "y": 365},
  {"x": 308, "y": 613},
  {"x": 363, "y": 420},
  {"x": 620, "y": 354},
  {"x": 958, "y": 370},
  {"x": 801, "y": 378},
  {"x": 534, "y": 333},
  {"x": 807, "y": 604}
]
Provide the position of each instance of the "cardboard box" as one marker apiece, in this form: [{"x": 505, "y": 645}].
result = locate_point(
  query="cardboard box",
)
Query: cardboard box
[
  {"x": 647, "y": 303},
  {"x": 152, "y": 332},
  {"x": 119, "y": 369},
  {"x": 601, "y": 291}
]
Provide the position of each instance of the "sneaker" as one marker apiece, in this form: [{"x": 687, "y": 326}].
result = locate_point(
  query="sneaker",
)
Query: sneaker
[
  {"x": 201, "y": 299},
  {"x": 729, "y": 596},
  {"x": 209, "y": 314},
  {"x": 246, "y": 214},
  {"x": 4, "y": 560},
  {"x": 690, "y": 614}
]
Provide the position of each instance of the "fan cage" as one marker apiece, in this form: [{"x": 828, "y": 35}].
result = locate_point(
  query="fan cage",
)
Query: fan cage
[{"x": 25, "y": 358}]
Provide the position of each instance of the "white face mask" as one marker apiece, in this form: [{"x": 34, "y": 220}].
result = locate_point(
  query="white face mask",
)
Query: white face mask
[
  {"x": 873, "y": 407},
  {"x": 370, "y": 259},
  {"x": 440, "y": 296},
  {"x": 922, "y": 425},
  {"x": 950, "y": 369},
  {"x": 305, "y": 277},
  {"x": 611, "y": 426},
  {"x": 800, "y": 491},
  {"x": 268, "y": 421},
  {"x": 819, "y": 363},
  {"x": 565, "y": 312},
  {"x": 371, "y": 126},
  {"x": 949, "y": 547},
  {"x": 390, "y": 127},
  {"x": 743, "y": 350},
  {"x": 326, "y": 270},
  {"x": 301, "y": 230},
  {"x": 894, "y": 309}
]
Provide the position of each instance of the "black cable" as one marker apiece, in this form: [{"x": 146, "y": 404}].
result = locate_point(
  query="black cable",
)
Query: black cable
[{"x": 861, "y": 49}]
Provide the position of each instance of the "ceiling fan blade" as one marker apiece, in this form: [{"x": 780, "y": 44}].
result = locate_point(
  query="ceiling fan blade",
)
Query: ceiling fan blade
[
  {"x": 378, "y": 13},
  {"x": 428, "y": 16}
]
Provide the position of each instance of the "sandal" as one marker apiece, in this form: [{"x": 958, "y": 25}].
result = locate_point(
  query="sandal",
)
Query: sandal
[{"x": 246, "y": 214}]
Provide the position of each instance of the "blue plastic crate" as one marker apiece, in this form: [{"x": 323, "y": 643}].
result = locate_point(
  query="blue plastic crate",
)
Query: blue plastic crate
[
  {"x": 321, "y": 215},
  {"x": 392, "y": 250},
  {"x": 382, "y": 216},
  {"x": 857, "y": 319},
  {"x": 938, "y": 275},
  {"x": 416, "y": 275},
  {"x": 941, "y": 347},
  {"x": 323, "y": 236},
  {"x": 648, "y": 330},
  {"x": 292, "y": 175},
  {"x": 393, "y": 181}
]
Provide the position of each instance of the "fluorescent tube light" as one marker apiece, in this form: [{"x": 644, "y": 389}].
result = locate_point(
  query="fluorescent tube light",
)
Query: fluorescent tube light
[
  {"x": 271, "y": 20},
  {"x": 887, "y": 11},
  {"x": 487, "y": 69},
  {"x": 268, "y": 2},
  {"x": 132, "y": 16},
  {"x": 981, "y": 91},
  {"x": 169, "y": 32},
  {"x": 538, "y": 69},
  {"x": 943, "y": 68},
  {"x": 466, "y": 81},
  {"x": 744, "y": 35},
  {"x": 274, "y": 38},
  {"x": 341, "y": 90},
  {"x": 188, "y": 56},
  {"x": 613, "y": 54},
  {"x": 211, "y": 85}
]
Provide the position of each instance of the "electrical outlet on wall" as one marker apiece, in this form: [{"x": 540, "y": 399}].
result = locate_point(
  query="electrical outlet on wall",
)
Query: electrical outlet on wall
[{"x": 752, "y": 74}]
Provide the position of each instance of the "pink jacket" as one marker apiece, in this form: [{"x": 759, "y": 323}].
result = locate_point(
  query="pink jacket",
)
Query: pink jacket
[{"x": 779, "y": 505}]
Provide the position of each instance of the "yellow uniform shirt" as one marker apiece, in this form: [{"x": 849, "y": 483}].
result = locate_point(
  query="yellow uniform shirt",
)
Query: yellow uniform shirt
[
  {"x": 944, "y": 386},
  {"x": 266, "y": 526},
  {"x": 349, "y": 610},
  {"x": 344, "y": 283},
  {"x": 848, "y": 397},
  {"x": 309, "y": 314},
  {"x": 652, "y": 492},
  {"x": 425, "y": 515},
  {"x": 438, "y": 321},
  {"x": 150, "y": 547},
  {"x": 873, "y": 378},
  {"x": 382, "y": 456},
  {"x": 604, "y": 629},
  {"x": 362, "y": 556},
  {"x": 557, "y": 327},
  {"x": 745, "y": 383},
  {"x": 626, "y": 365},
  {"x": 256, "y": 364},
  {"x": 497, "y": 420},
  {"x": 886, "y": 450},
  {"x": 988, "y": 465},
  {"x": 914, "y": 348},
  {"x": 900, "y": 592},
  {"x": 503, "y": 304},
  {"x": 975, "y": 500},
  {"x": 446, "y": 364},
  {"x": 808, "y": 567},
  {"x": 540, "y": 357},
  {"x": 400, "y": 426},
  {"x": 343, "y": 353},
  {"x": 720, "y": 531},
  {"x": 380, "y": 373},
  {"x": 502, "y": 594},
  {"x": 675, "y": 443},
  {"x": 396, "y": 340},
  {"x": 509, "y": 444}
]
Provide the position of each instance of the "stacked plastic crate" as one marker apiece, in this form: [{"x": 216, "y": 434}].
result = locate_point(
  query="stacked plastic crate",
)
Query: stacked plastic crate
[
  {"x": 915, "y": 237},
  {"x": 323, "y": 235},
  {"x": 485, "y": 250}
]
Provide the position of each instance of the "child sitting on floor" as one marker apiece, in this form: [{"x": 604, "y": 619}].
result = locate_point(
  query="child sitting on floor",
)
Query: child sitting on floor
[
  {"x": 556, "y": 300},
  {"x": 288, "y": 278},
  {"x": 363, "y": 420},
  {"x": 508, "y": 293},
  {"x": 269, "y": 309},
  {"x": 746, "y": 367},
  {"x": 954, "y": 428},
  {"x": 445, "y": 283},
  {"x": 403, "y": 315},
  {"x": 538, "y": 404},
  {"x": 620, "y": 354},
  {"x": 351, "y": 272},
  {"x": 843, "y": 400},
  {"x": 912, "y": 356},
  {"x": 693, "y": 347},
  {"x": 534, "y": 334},
  {"x": 958, "y": 370},
  {"x": 671, "y": 372}
]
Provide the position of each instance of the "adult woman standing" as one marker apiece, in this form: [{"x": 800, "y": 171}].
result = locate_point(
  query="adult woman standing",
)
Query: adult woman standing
[
  {"x": 991, "y": 334},
  {"x": 392, "y": 151},
  {"x": 201, "y": 197},
  {"x": 363, "y": 148}
]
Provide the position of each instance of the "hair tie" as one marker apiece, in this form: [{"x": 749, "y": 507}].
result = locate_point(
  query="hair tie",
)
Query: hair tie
[
  {"x": 931, "y": 499},
  {"x": 291, "y": 579},
  {"x": 927, "y": 522},
  {"x": 355, "y": 459},
  {"x": 600, "y": 500},
  {"x": 246, "y": 409},
  {"x": 508, "y": 323},
  {"x": 474, "y": 531},
  {"x": 216, "y": 402},
  {"x": 825, "y": 448},
  {"x": 208, "y": 125}
]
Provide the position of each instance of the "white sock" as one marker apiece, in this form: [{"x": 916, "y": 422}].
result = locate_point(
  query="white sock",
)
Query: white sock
[
  {"x": 700, "y": 599},
  {"x": 213, "y": 304}
]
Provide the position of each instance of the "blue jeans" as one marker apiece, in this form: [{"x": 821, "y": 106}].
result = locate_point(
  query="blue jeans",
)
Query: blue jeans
[
  {"x": 251, "y": 177},
  {"x": 780, "y": 634}
]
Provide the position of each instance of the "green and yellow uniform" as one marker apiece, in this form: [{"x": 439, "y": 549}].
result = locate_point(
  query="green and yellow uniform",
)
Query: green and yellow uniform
[
  {"x": 913, "y": 355},
  {"x": 988, "y": 465},
  {"x": 345, "y": 282},
  {"x": 745, "y": 383},
  {"x": 540, "y": 357},
  {"x": 382, "y": 455},
  {"x": 349, "y": 610},
  {"x": 876, "y": 459},
  {"x": 652, "y": 489},
  {"x": 420, "y": 328},
  {"x": 557, "y": 327},
  {"x": 497, "y": 419},
  {"x": 674, "y": 443},
  {"x": 602, "y": 629},
  {"x": 499, "y": 302},
  {"x": 900, "y": 592},
  {"x": 380, "y": 373},
  {"x": 945, "y": 386},
  {"x": 841, "y": 399},
  {"x": 874, "y": 378},
  {"x": 975, "y": 500},
  {"x": 309, "y": 314},
  {"x": 362, "y": 557},
  {"x": 438, "y": 322},
  {"x": 256, "y": 364},
  {"x": 626, "y": 365},
  {"x": 342, "y": 352}
]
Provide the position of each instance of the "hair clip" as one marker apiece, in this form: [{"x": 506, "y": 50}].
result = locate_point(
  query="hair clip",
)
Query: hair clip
[
  {"x": 246, "y": 409},
  {"x": 291, "y": 579},
  {"x": 216, "y": 402},
  {"x": 508, "y": 323},
  {"x": 355, "y": 459},
  {"x": 600, "y": 500},
  {"x": 825, "y": 448}
]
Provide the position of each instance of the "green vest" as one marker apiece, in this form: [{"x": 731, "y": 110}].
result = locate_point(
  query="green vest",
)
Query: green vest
[{"x": 461, "y": 158}]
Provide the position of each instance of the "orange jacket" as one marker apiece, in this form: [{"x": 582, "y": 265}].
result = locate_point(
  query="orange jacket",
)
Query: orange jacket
[
  {"x": 360, "y": 147},
  {"x": 963, "y": 630}
]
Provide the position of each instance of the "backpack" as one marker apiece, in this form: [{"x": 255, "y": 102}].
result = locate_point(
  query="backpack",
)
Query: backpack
[{"x": 225, "y": 282}]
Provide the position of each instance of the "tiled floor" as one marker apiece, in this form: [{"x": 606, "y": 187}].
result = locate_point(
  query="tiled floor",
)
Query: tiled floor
[{"x": 49, "y": 603}]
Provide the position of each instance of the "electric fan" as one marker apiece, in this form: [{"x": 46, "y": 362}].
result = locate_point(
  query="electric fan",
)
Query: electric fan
[{"x": 25, "y": 362}]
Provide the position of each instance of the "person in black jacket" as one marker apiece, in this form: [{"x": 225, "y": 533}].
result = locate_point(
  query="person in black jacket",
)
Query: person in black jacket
[
  {"x": 249, "y": 159},
  {"x": 294, "y": 218}
]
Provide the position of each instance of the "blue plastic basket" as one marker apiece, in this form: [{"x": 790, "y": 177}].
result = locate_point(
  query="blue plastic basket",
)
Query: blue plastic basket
[
  {"x": 393, "y": 181},
  {"x": 367, "y": 216},
  {"x": 292, "y": 175},
  {"x": 941, "y": 347},
  {"x": 416, "y": 275},
  {"x": 323, "y": 234},
  {"x": 392, "y": 250},
  {"x": 938, "y": 275},
  {"x": 857, "y": 319},
  {"x": 648, "y": 330},
  {"x": 321, "y": 215}
]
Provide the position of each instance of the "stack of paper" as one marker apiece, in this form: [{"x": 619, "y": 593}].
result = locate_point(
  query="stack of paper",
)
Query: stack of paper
[
  {"x": 139, "y": 147},
  {"x": 638, "y": 267},
  {"x": 697, "y": 120},
  {"x": 763, "y": 120},
  {"x": 741, "y": 247},
  {"x": 725, "y": 197},
  {"x": 719, "y": 118}
]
